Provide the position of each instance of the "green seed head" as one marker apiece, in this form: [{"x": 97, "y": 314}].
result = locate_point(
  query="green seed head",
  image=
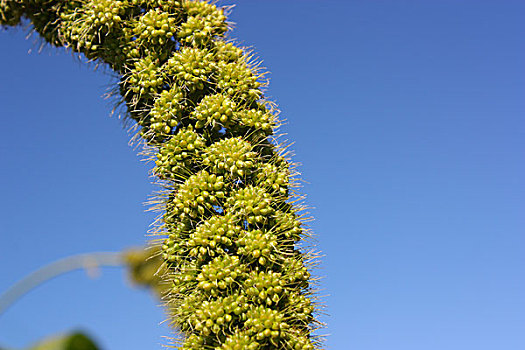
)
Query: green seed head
[{"x": 232, "y": 270}]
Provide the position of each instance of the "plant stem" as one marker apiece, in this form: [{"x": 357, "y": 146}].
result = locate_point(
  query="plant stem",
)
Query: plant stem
[{"x": 88, "y": 262}]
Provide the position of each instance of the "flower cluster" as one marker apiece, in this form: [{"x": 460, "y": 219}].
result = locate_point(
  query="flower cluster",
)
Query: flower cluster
[
  {"x": 233, "y": 157},
  {"x": 274, "y": 178},
  {"x": 234, "y": 273},
  {"x": 191, "y": 68},
  {"x": 213, "y": 237},
  {"x": 220, "y": 274},
  {"x": 156, "y": 27},
  {"x": 179, "y": 156},
  {"x": 204, "y": 22},
  {"x": 196, "y": 197},
  {"x": 252, "y": 203},
  {"x": 87, "y": 26},
  {"x": 239, "y": 81},
  {"x": 265, "y": 287},
  {"x": 145, "y": 77},
  {"x": 217, "y": 315},
  {"x": 258, "y": 246}
]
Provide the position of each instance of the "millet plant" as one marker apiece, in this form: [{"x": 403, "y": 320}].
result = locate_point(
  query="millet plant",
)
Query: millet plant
[{"x": 235, "y": 272}]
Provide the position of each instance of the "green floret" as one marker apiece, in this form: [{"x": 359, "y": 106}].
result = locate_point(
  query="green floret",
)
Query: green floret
[
  {"x": 258, "y": 246},
  {"x": 226, "y": 52},
  {"x": 145, "y": 79},
  {"x": 252, "y": 204},
  {"x": 240, "y": 341},
  {"x": 217, "y": 316},
  {"x": 191, "y": 69},
  {"x": 215, "y": 111},
  {"x": 197, "y": 197},
  {"x": 213, "y": 237},
  {"x": 166, "y": 114},
  {"x": 179, "y": 157},
  {"x": 273, "y": 178},
  {"x": 239, "y": 81},
  {"x": 87, "y": 26},
  {"x": 155, "y": 27},
  {"x": 265, "y": 324},
  {"x": 221, "y": 275},
  {"x": 204, "y": 22},
  {"x": 265, "y": 288},
  {"x": 234, "y": 158}
]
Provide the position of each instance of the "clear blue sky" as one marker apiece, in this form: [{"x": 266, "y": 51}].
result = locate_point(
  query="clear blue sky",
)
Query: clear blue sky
[{"x": 409, "y": 120}]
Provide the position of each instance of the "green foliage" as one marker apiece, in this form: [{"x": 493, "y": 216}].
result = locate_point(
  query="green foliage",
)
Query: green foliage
[
  {"x": 233, "y": 273},
  {"x": 72, "y": 341}
]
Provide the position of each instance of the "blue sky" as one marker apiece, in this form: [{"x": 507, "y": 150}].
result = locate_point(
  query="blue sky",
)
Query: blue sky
[{"x": 408, "y": 120}]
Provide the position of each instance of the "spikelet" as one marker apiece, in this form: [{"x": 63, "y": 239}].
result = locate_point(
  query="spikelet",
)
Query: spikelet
[{"x": 236, "y": 274}]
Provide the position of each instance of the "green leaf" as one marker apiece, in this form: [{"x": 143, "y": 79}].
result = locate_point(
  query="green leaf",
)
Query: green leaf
[{"x": 72, "y": 341}]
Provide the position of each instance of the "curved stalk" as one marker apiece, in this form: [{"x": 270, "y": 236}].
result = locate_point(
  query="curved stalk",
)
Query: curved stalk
[{"x": 88, "y": 262}]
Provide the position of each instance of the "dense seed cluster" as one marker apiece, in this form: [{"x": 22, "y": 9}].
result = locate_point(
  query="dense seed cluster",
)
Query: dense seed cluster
[{"x": 234, "y": 274}]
